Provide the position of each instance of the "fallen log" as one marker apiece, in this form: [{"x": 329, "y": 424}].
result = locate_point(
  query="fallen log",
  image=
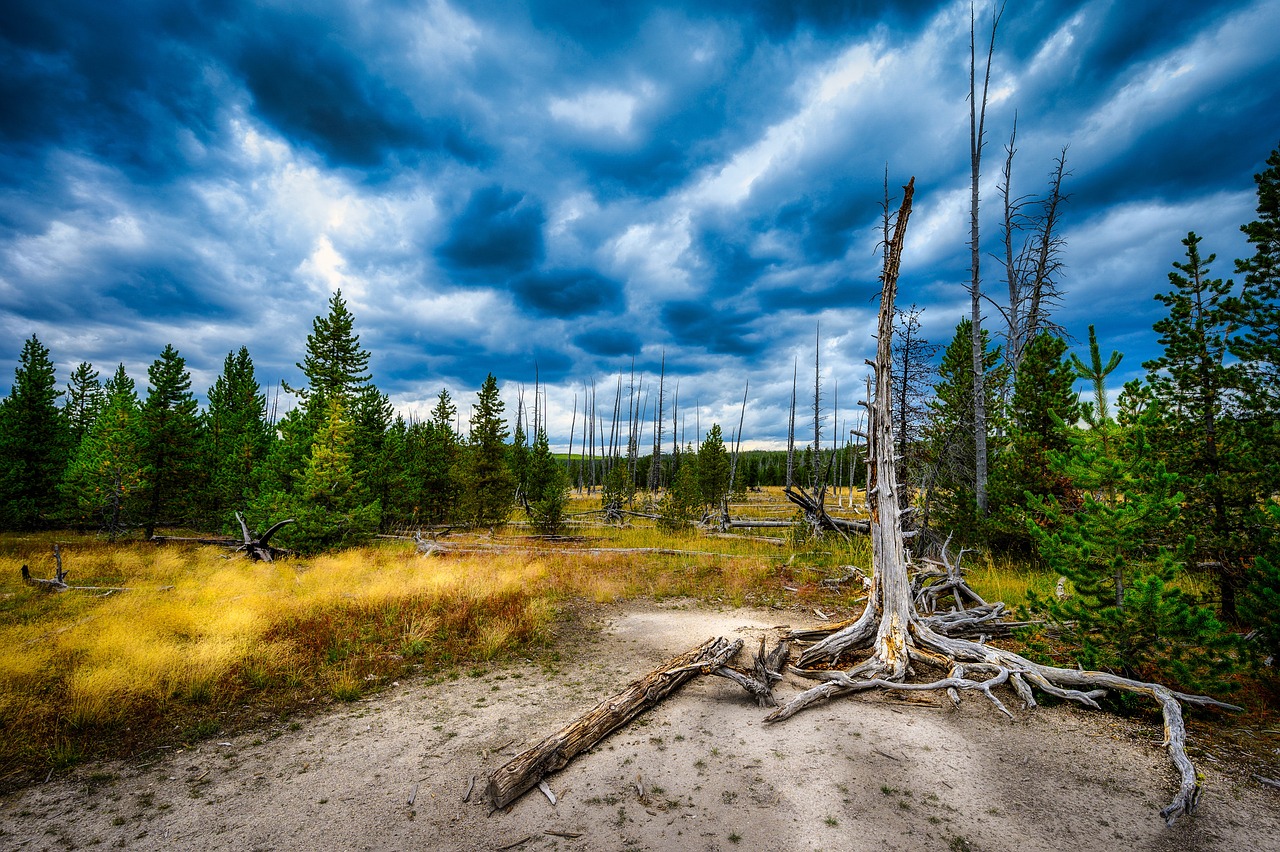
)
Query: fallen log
[
  {"x": 523, "y": 772},
  {"x": 217, "y": 541},
  {"x": 54, "y": 584}
]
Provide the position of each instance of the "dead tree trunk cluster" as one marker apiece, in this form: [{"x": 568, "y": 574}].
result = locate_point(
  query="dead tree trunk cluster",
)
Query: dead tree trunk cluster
[{"x": 917, "y": 617}]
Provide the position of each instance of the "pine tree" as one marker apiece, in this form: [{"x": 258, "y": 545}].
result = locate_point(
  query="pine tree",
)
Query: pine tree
[
  {"x": 1044, "y": 403},
  {"x": 335, "y": 368},
  {"x": 335, "y": 365},
  {"x": 1193, "y": 384},
  {"x": 487, "y": 487},
  {"x": 236, "y": 438},
  {"x": 34, "y": 442},
  {"x": 950, "y": 484},
  {"x": 1258, "y": 309},
  {"x": 713, "y": 469},
  {"x": 1258, "y": 344},
  {"x": 1097, "y": 412},
  {"x": 371, "y": 415},
  {"x": 1125, "y": 613},
  {"x": 518, "y": 460},
  {"x": 170, "y": 436},
  {"x": 84, "y": 399},
  {"x": 439, "y": 502},
  {"x": 105, "y": 474},
  {"x": 681, "y": 506},
  {"x": 548, "y": 488}
]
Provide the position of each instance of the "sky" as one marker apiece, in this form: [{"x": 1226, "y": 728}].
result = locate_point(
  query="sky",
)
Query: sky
[{"x": 559, "y": 190}]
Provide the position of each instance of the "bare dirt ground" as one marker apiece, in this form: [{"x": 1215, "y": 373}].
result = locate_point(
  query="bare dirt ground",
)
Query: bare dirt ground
[{"x": 699, "y": 772}]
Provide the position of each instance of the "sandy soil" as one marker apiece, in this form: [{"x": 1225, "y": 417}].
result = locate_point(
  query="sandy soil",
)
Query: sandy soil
[{"x": 699, "y": 772}]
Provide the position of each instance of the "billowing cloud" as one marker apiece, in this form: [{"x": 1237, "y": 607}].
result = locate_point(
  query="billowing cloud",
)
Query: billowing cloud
[
  {"x": 567, "y": 293},
  {"x": 562, "y": 188},
  {"x": 498, "y": 230}
]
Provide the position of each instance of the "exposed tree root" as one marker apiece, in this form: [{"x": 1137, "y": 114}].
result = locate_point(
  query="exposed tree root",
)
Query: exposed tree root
[{"x": 996, "y": 667}]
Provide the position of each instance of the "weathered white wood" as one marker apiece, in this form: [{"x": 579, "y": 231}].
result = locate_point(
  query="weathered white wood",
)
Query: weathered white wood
[
  {"x": 895, "y": 631},
  {"x": 525, "y": 770}
]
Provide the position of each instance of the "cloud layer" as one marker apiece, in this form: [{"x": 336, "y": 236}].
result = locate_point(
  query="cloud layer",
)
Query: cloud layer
[{"x": 568, "y": 188}]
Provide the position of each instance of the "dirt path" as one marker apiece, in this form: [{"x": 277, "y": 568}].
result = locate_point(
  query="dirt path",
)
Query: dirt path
[{"x": 875, "y": 773}]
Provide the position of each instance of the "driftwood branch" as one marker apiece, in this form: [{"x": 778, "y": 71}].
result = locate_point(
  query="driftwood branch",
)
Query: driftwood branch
[
  {"x": 527, "y": 769},
  {"x": 259, "y": 547},
  {"x": 523, "y": 772}
]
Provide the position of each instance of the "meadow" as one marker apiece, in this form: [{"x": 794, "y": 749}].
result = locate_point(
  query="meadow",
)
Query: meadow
[{"x": 201, "y": 641}]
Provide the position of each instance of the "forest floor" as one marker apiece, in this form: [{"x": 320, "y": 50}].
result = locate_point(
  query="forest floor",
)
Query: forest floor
[{"x": 701, "y": 771}]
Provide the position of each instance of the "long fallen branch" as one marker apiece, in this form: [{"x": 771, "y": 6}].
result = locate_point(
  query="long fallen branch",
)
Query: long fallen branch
[{"x": 524, "y": 771}]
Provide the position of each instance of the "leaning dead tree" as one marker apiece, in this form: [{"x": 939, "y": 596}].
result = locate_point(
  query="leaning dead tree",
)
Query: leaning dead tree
[{"x": 901, "y": 637}]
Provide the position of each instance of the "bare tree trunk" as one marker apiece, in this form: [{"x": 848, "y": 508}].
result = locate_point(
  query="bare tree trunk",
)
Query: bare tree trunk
[
  {"x": 977, "y": 124},
  {"x": 817, "y": 408},
  {"x": 1048, "y": 244},
  {"x": 900, "y": 637},
  {"x": 1013, "y": 275},
  {"x": 791, "y": 430}
]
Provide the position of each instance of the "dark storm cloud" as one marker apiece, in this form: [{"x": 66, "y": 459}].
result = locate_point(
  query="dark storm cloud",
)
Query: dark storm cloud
[
  {"x": 567, "y": 293},
  {"x": 497, "y": 231},
  {"x": 494, "y": 184},
  {"x": 608, "y": 342},
  {"x": 318, "y": 91},
  {"x": 720, "y": 329},
  {"x": 126, "y": 89}
]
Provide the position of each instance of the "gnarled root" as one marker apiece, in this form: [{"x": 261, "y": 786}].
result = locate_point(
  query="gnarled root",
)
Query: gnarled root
[{"x": 995, "y": 666}]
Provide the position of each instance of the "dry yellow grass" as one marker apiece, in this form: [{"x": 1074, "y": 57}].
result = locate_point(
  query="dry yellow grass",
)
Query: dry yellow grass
[
  {"x": 196, "y": 629},
  {"x": 201, "y": 634}
]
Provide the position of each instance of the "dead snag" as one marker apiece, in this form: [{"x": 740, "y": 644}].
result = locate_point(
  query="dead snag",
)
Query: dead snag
[
  {"x": 898, "y": 635},
  {"x": 54, "y": 584},
  {"x": 259, "y": 547},
  {"x": 58, "y": 582},
  {"x": 523, "y": 772}
]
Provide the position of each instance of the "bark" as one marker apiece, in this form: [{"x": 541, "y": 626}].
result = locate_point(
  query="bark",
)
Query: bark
[{"x": 524, "y": 771}]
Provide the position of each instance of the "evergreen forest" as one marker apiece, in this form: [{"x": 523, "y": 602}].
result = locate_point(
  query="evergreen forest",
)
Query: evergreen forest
[{"x": 1118, "y": 491}]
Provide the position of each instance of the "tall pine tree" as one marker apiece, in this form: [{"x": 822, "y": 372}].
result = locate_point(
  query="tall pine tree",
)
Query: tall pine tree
[
  {"x": 1042, "y": 415},
  {"x": 236, "y": 438},
  {"x": 335, "y": 365},
  {"x": 34, "y": 442},
  {"x": 170, "y": 437},
  {"x": 1193, "y": 384},
  {"x": 105, "y": 476},
  {"x": 84, "y": 399},
  {"x": 950, "y": 483},
  {"x": 487, "y": 486},
  {"x": 713, "y": 469}
]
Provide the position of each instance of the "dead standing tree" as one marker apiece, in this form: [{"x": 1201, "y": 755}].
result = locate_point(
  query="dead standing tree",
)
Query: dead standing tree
[{"x": 899, "y": 637}]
